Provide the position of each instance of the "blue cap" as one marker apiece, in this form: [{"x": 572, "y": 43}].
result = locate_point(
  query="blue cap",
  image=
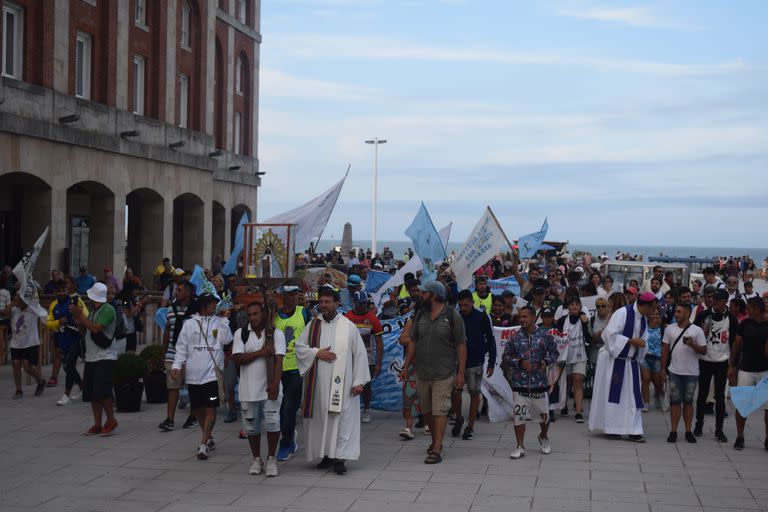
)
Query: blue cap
[
  {"x": 354, "y": 280},
  {"x": 360, "y": 297}
]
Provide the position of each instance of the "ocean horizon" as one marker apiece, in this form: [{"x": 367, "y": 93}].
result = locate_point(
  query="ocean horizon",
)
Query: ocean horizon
[{"x": 398, "y": 247}]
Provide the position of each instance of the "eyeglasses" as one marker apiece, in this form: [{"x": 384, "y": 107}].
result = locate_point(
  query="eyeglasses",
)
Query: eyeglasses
[{"x": 602, "y": 306}]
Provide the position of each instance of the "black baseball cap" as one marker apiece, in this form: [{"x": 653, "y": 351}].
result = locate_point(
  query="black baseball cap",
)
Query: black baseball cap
[{"x": 721, "y": 294}]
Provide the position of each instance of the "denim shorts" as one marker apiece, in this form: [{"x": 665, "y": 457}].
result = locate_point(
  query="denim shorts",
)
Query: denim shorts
[
  {"x": 264, "y": 414},
  {"x": 652, "y": 363},
  {"x": 682, "y": 388}
]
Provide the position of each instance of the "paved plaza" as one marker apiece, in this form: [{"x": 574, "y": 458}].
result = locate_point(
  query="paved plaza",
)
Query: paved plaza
[{"x": 48, "y": 465}]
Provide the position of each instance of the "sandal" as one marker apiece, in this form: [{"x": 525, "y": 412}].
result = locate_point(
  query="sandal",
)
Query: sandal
[{"x": 433, "y": 458}]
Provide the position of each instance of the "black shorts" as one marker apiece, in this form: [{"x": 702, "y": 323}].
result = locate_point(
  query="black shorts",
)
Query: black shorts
[
  {"x": 203, "y": 395},
  {"x": 31, "y": 354},
  {"x": 98, "y": 378}
]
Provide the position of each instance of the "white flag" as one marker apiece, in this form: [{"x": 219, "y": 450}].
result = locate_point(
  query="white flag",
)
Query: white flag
[
  {"x": 23, "y": 273},
  {"x": 413, "y": 266},
  {"x": 311, "y": 218},
  {"x": 445, "y": 234},
  {"x": 483, "y": 244}
]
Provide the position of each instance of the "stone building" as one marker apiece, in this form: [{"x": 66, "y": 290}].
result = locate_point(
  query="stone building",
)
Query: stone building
[{"x": 128, "y": 126}]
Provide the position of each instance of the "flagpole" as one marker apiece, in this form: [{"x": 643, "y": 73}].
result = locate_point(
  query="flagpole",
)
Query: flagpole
[
  {"x": 501, "y": 228},
  {"x": 375, "y": 141}
]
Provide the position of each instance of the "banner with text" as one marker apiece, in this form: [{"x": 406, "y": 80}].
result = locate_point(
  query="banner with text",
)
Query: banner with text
[
  {"x": 485, "y": 242},
  {"x": 387, "y": 388}
]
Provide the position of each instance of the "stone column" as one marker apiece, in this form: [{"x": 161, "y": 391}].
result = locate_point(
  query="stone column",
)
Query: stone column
[
  {"x": 124, "y": 20},
  {"x": 209, "y": 40},
  {"x": 170, "y": 76},
  {"x": 61, "y": 47},
  {"x": 229, "y": 90}
]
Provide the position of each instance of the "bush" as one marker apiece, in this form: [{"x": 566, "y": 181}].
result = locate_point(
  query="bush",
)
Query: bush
[
  {"x": 154, "y": 357},
  {"x": 130, "y": 368}
]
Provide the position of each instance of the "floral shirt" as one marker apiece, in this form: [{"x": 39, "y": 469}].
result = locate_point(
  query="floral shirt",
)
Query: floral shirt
[{"x": 535, "y": 348}]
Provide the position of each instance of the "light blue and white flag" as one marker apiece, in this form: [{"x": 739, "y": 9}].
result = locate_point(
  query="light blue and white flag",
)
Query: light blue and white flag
[
  {"x": 230, "y": 267},
  {"x": 445, "y": 234},
  {"x": 426, "y": 243},
  {"x": 375, "y": 280},
  {"x": 201, "y": 284},
  {"x": 529, "y": 244},
  {"x": 748, "y": 399}
]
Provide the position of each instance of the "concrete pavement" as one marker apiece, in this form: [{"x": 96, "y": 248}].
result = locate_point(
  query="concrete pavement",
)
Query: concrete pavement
[{"x": 46, "y": 464}]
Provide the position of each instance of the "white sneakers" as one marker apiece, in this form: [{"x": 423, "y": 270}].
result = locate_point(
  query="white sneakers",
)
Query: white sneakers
[
  {"x": 366, "y": 418},
  {"x": 258, "y": 466},
  {"x": 517, "y": 453},
  {"x": 546, "y": 448},
  {"x": 406, "y": 434},
  {"x": 64, "y": 400},
  {"x": 271, "y": 467},
  {"x": 202, "y": 452}
]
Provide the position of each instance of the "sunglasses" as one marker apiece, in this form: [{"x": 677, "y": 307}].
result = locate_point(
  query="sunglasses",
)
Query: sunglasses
[{"x": 602, "y": 306}]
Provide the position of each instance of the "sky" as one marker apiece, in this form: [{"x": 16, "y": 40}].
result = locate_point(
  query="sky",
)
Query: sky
[{"x": 622, "y": 123}]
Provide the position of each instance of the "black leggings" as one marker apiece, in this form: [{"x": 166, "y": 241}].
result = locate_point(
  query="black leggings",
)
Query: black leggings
[{"x": 70, "y": 357}]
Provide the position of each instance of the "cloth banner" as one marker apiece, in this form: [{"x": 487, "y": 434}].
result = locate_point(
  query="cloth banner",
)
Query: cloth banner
[
  {"x": 485, "y": 242},
  {"x": 426, "y": 243},
  {"x": 499, "y": 286},
  {"x": 413, "y": 266},
  {"x": 230, "y": 267},
  {"x": 748, "y": 399},
  {"x": 387, "y": 388},
  {"x": 310, "y": 218},
  {"x": 530, "y": 244},
  {"x": 497, "y": 390},
  {"x": 445, "y": 235}
]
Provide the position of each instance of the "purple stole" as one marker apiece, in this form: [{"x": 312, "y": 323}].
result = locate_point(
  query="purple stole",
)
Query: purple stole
[
  {"x": 309, "y": 381},
  {"x": 617, "y": 378}
]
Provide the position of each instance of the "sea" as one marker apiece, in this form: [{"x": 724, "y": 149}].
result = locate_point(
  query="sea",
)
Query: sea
[{"x": 398, "y": 247}]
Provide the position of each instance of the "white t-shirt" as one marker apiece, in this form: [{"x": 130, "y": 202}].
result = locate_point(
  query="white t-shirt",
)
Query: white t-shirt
[
  {"x": 685, "y": 360},
  {"x": 24, "y": 328},
  {"x": 253, "y": 376}
]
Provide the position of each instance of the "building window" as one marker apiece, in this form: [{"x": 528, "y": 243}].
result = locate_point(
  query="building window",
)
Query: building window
[
  {"x": 239, "y": 75},
  {"x": 185, "y": 12},
  {"x": 238, "y": 134},
  {"x": 83, "y": 65},
  {"x": 141, "y": 12},
  {"x": 13, "y": 40},
  {"x": 139, "y": 76},
  {"x": 183, "y": 100},
  {"x": 242, "y": 13}
]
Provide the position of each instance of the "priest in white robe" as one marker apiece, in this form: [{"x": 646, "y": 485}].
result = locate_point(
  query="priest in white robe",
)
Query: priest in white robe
[
  {"x": 617, "y": 402},
  {"x": 333, "y": 361}
]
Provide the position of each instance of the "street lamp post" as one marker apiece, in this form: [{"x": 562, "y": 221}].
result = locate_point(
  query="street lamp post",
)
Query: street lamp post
[{"x": 375, "y": 141}]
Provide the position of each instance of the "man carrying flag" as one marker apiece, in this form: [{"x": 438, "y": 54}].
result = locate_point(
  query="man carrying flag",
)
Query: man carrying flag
[{"x": 332, "y": 358}]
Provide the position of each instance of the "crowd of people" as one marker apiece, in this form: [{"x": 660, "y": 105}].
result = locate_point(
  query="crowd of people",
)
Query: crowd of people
[{"x": 645, "y": 343}]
